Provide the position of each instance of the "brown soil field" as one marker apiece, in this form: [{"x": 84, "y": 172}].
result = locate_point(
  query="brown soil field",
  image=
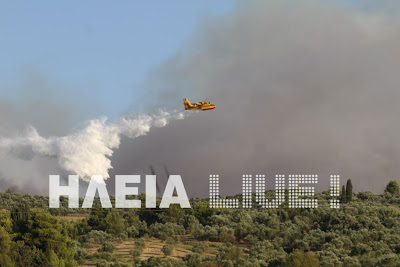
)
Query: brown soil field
[
  {"x": 152, "y": 248},
  {"x": 73, "y": 217}
]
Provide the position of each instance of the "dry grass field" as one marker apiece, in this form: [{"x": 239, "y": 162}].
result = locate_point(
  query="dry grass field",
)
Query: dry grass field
[{"x": 153, "y": 248}]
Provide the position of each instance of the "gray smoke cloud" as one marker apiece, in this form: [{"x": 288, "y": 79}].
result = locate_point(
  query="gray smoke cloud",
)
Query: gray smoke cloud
[
  {"x": 33, "y": 100},
  {"x": 308, "y": 87},
  {"x": 39, "y": 137}
]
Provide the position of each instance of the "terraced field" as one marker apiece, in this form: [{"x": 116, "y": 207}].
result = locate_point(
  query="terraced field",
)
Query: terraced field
[{"x": 153, "y": 248}]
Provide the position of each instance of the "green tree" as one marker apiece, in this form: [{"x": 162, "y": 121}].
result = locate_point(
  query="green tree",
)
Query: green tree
[
  {"x": 132, "y": 231},
  {"x": 167, "y": 250},
  {"x": 140, "y": 243},
  {"x": 349, "y": 190},
  {"x": 114, "y": 223},
  {"x": 199, "y": 247},
  {"x": 131, "y": 218},
  {"x": 136, "y": 252},
  {"x": 174, "y": 213},
  {"x": 24, "y": 255},
  {"x": 53, "y": 258},
  {"x": 5, "y": 246},
  {"x": 202, "y": 212},
  {"x": 343, "y": 194},
  {"x": 6, "y": 222},
  {"x": 193, "y": 259},
  {"x": 298, "y": 259},
  {"x": 45, "y": 232},
  {"x": 107, "y": 246},
  {"x": 19, "y": 216},
  {"x": 80, "y": 253},
  {"x": 96, "y": 220},
  {"x": 234, "y": 254},
  {"x": 393, "y": 187}
]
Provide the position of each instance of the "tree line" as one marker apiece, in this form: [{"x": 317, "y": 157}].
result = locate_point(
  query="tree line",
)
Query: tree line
[{"x": 363, "y": 232}]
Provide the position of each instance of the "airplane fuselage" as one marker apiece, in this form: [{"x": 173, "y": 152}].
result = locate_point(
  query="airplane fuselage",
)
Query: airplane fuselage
[{"x": 198, "y": 105}]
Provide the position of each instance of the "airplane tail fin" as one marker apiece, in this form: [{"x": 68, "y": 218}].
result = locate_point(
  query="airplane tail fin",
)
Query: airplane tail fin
[{"x": 187, "y": 103}]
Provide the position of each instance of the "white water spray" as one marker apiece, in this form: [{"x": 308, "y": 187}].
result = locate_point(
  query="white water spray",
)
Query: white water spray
[{"x": 88, "y": 151}]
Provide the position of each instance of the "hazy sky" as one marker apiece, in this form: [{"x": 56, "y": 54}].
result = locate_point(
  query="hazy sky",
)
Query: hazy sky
[
  {"x": 306, "y": 87},
  {"x": 95, "y": 49}
]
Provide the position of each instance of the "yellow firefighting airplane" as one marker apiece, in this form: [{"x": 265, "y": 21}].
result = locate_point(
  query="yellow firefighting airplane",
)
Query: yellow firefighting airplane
[{"x": 199, "y": 105}]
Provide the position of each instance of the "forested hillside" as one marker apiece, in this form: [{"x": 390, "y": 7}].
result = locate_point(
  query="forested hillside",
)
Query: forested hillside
[{"x": 364, "y": 231}]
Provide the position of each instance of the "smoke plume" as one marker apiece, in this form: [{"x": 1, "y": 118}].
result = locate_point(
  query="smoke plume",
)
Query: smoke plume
[
  {"x": 308, "y": 87},
  {"x": 300, "y": 87},
  {"x": 88, "y": 151}
]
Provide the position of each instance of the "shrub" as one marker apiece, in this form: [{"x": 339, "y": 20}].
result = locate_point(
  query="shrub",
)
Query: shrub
[
  {"x": 199, "y": 247},
  {"x": 102, "y": 263},
  {"x": 251, "y": 239},
  {"x": 166, "y": 230},
  {"x": 107, "y": 246},
  {"x": 299, "y": 258},
  {"x": 94, "y": 237},
  {"x": 120, "y": 264},
  {"x": 142, "y": 228},
  {"x": 122, "y": 236},
  {"x": 107, "y": 256},
  {"x": 172, "y": 240},
  {"x": 139, "y": 243},
  {"x": 393, "y": 187},
  {"x": 80, "y": 253},
  {"x": 114, "y": 223},
  {"x": 136, "y": 252},
  {"x": 167, "y": 249},
  {"x": 132, "y": 232},
  {"x": 211, "y": 232},
  {"x": 193, "y": 259},
  {"x": 164, "y": 262},
  {"x": 226, "y": 235},
  {"x": 234, "y": 254},
  {"x": 351, "y": 262},
  {"x": 389, "y": 260}
]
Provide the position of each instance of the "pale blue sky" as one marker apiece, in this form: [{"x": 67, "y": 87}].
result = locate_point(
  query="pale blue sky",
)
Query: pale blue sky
[{"x": 102, "y": 48}]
